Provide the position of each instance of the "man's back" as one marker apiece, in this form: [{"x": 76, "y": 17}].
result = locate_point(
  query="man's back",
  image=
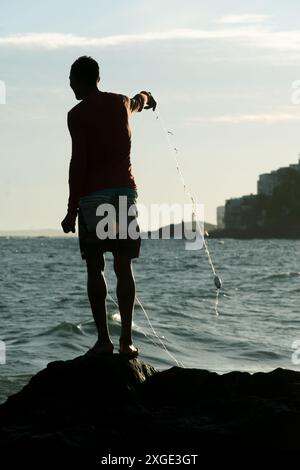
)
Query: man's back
[{"x": 101, "y": 138}]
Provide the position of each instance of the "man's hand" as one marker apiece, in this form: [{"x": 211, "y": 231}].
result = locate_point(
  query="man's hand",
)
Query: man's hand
[
  {"x": 68, "y": 224},
  {"x": 151, "y": 103}
]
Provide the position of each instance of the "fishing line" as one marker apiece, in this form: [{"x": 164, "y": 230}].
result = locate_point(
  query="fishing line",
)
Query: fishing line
[
  {"x": 160, "y": 342},
  {"x": 174, "y": 151},
  {"x": 151, "y": 339},
  {"x": 180, "y": 364}
]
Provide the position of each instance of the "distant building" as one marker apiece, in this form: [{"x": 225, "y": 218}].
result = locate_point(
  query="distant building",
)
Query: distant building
[
  {"x": 295, "y": 166},
  {"x": 221, "y": 217},
  {"x": 232, "y": 213},
  {"x": 240, "y": 213},
  {"x": 251, "y": 212},
  {"x": 267, "y": 183}
]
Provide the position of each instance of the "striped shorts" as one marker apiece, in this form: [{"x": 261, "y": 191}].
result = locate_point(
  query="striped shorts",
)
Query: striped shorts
[{"x": 107, "y": 221}]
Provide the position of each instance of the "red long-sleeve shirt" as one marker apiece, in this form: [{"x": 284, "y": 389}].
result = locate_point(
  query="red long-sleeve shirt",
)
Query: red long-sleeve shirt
[{"x": 101, "y": 143}]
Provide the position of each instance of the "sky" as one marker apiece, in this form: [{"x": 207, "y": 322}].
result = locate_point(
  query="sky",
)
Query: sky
[{"x": 224, "y": 74}]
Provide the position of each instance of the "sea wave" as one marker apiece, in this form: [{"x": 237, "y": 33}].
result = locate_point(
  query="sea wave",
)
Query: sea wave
[
  {"x": 62, "y": 329},
  {"x": 282, "y": 275}
]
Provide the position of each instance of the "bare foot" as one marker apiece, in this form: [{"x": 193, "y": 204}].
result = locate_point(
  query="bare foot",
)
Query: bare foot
[{"x": 126, "y": 348}]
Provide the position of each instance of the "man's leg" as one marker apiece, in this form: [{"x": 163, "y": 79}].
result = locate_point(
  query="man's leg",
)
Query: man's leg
[
  {"x": 126, "y": 296},
  {"x": 97, "y": 292}
]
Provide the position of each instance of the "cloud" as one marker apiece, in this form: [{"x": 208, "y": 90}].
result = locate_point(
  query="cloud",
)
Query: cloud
[
  {"x": 258, "y": 36},
  {"x": 242, "y": 19},
  {"x": 59, "y": 40},
  {"x": 266, "y": 118}
]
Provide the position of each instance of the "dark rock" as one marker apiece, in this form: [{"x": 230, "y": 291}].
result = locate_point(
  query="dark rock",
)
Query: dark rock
[{"x": 96, "y": 405}]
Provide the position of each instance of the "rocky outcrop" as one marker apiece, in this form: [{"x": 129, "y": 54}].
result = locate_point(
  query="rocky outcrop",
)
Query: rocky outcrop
[{"x": 112, "y": 405}]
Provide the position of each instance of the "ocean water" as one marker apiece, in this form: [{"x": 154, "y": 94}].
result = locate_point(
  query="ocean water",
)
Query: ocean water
[{"x": 45, "y": 313}]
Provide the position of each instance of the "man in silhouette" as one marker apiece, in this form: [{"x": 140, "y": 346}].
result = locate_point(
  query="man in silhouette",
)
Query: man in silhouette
[{"x": 100, "y": 171}]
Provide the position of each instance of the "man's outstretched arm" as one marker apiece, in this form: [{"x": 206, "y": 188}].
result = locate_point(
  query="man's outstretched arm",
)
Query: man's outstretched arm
[
  {"x": 77, "y": 171},
  {"x": 143, "y": 100}
]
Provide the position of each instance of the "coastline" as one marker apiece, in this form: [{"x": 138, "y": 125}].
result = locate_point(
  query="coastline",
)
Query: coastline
[{"x": 265, "y": 233}]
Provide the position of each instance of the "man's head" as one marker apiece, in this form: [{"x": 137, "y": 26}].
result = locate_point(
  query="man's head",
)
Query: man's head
[{"x": 84, "y": 76}]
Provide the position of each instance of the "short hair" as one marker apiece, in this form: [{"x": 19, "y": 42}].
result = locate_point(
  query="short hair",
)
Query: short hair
[{"x": 86, "y": 70}]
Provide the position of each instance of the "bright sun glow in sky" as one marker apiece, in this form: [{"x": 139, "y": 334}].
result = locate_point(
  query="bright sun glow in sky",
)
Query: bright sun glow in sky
[{"x": 221, "y": 71}]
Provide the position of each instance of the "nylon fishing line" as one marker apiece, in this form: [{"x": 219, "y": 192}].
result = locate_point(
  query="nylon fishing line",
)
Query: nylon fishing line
[{"x": 174, "y": 151}]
